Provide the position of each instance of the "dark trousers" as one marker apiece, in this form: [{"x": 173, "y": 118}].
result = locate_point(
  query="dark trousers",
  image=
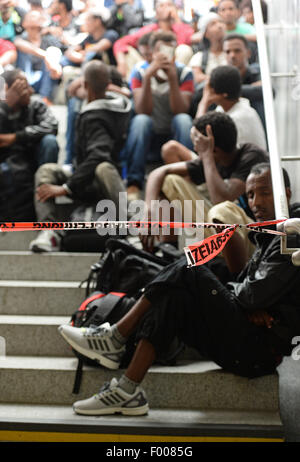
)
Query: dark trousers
[{"x": 192, "y": 305}]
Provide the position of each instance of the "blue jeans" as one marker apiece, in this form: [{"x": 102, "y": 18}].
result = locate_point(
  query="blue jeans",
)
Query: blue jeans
[
  {"x": 40, "y": 80},
  {"x": 143, "y": 144},
  {"x": 47, "y": 150}
]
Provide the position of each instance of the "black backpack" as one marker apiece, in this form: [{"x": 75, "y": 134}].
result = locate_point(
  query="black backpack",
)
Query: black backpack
[{"x": 113, "y": 286}]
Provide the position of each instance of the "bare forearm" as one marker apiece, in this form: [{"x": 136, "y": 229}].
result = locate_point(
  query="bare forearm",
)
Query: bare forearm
[
  {"x": 9, "y": 57},
  {"x": 202, "y": 107},
  {"x": 27, "y": 47},
  {"x": 154, "y": 185},
  {"x": 178, "y": 102},
  {"x": 217, "y": 187},
  {"x": 143, "y": 99}
]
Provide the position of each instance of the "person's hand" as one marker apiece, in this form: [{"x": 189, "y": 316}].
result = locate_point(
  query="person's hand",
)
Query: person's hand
[
  {"x": 261, "y": 319},
  {"x": 210, "y": 96},
  {"x": 147, "y": 240},
  {"x": 7, "y": 139},
  {"x": 159, "y": 60},
  {"x": 170, "y": 69},
  {"x": 54, "y": 68},
  {"x": 16, "y": 92},
  {"x": 203, "y": 145},
  {"x": 292, "y": 226},
  {"x": 75, "y": 87},
  {"x": 45, "y": 192}
]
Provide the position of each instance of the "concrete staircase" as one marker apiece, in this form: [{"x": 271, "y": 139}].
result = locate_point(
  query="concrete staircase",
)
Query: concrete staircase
[{"x": 194, "y": 400}]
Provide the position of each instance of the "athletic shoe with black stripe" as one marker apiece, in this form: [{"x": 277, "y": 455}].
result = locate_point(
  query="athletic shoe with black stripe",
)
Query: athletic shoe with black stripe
[
  {"x": 94, "y": 342},
  {"x": 112, "y": 399}
]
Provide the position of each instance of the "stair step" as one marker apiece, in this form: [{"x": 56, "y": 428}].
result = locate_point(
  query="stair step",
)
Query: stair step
[
  {"x": 46, "y": 266},
  {"x": 16, "y": 240},
  {"x": 60, "y": 423},
  {"x": 34, "y": 335},
  {"x": 196, "y": 385},
  {"x": 25, "y": 335},
  {"x": 57, "y": 298}
]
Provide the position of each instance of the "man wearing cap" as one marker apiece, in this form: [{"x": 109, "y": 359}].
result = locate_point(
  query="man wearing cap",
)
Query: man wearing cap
[
  {"x": 212, "y": 29},
  {"x": 98, "y": 44}
]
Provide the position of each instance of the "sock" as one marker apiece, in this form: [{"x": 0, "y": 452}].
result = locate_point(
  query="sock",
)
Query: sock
[
  {"x": 127, "y": 385},
  {"x": 117, "y": 338}
]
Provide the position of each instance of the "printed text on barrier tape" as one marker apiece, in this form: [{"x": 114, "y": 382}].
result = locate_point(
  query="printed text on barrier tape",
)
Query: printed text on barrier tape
[
  {"x": 29, "y": 226},
  {"x": 209, "y": 248}
]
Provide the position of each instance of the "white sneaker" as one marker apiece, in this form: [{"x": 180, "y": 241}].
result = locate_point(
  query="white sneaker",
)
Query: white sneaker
[
  {"x": 112, "y": 399},
  {"x": 46, "y": 241},
  {"x": 94, "y": 342}
]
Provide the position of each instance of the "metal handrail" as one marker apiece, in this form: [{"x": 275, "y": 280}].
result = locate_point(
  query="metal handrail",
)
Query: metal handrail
[{"x": 280, "y": 200}]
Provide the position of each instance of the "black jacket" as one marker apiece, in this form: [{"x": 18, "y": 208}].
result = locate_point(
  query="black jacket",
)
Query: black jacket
[
  {"x": 30, "y": 124},
  {"x": 101, "y": 130},
  {"x": 270, "y": 281}
]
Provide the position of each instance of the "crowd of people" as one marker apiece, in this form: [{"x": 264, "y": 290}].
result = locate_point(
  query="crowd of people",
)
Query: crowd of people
[
  {"x": 136, "y": 88},
  {"x": 159, "y": 107}
]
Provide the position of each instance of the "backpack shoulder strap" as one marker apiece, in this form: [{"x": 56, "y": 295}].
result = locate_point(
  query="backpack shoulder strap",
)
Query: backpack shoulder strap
[{"x": 205, "y": 54}]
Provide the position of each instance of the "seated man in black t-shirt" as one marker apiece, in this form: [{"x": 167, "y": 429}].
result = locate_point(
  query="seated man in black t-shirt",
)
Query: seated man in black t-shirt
[
  {"x": 99, "y": 42},
  {"x": 217, "y": 175}
]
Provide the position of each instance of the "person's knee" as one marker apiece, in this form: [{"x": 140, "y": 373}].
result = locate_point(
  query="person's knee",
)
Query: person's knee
[
  {"x": 142, "y": 122},
  {"x": 49, "y": 141},
  {"x": 44, "y": 174},
  {"x": 183, "y": 54},
  {"x": 170, "y": 152},
  {"x": 170, "y": 186},
  {"x": 48, "y": 149},
  {"x": 225, "y": 212},
  {"x": 104, "y": 169}
]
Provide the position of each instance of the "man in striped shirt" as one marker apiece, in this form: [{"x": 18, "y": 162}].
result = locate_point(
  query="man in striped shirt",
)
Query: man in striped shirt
[{"x": 162, "y": 91}]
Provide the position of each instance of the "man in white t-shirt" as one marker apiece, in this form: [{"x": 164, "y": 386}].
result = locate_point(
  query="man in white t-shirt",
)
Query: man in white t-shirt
[{"x": 223, "y": 90}]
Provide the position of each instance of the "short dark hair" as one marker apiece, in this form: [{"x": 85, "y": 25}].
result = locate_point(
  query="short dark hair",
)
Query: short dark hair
[
  {"x": 264, "y": 8},
  {"x": 167, "y": 37},
  {"x": 223, "y": 128},
  {"x": 68, "y": 4},
  {"x": 35, "y": 2},
  {"x": 11, "y": 76},
  {"x": 235, "y": 2},
  {"x": 145, "y": 39},
  {"x": 115, "y": 76},
  {"x": 237, "y": 37},
  {"x": 262, "y": 167},
  {"x": 97, "y": 75},
  {"x": 226, "y": 79}
]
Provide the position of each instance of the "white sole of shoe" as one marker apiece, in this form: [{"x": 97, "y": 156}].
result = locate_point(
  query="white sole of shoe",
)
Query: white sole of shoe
[
  {"x": 91, "y": 354},
  {"x": 124, "y": 411}
]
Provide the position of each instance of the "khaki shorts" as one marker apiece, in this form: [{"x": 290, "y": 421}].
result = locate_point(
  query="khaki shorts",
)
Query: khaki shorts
[{"x": 201, "y": 209}]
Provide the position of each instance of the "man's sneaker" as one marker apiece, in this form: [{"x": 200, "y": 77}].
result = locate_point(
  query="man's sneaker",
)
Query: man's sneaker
[
  {"x": 112, "y": 399},
  {"x": 46, "y": 241},
  {"x": 94, "y": 342}
]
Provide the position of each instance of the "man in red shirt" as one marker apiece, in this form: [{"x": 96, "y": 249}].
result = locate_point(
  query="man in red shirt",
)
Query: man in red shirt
[
  {"x": 8, "y": 54},
  {"x": 167, "y": 19}
]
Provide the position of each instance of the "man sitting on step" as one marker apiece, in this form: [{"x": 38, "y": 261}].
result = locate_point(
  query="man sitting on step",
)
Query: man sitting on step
[
  {"x": 246, "y": 327},
  {"x": 100, "y": 132}
]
